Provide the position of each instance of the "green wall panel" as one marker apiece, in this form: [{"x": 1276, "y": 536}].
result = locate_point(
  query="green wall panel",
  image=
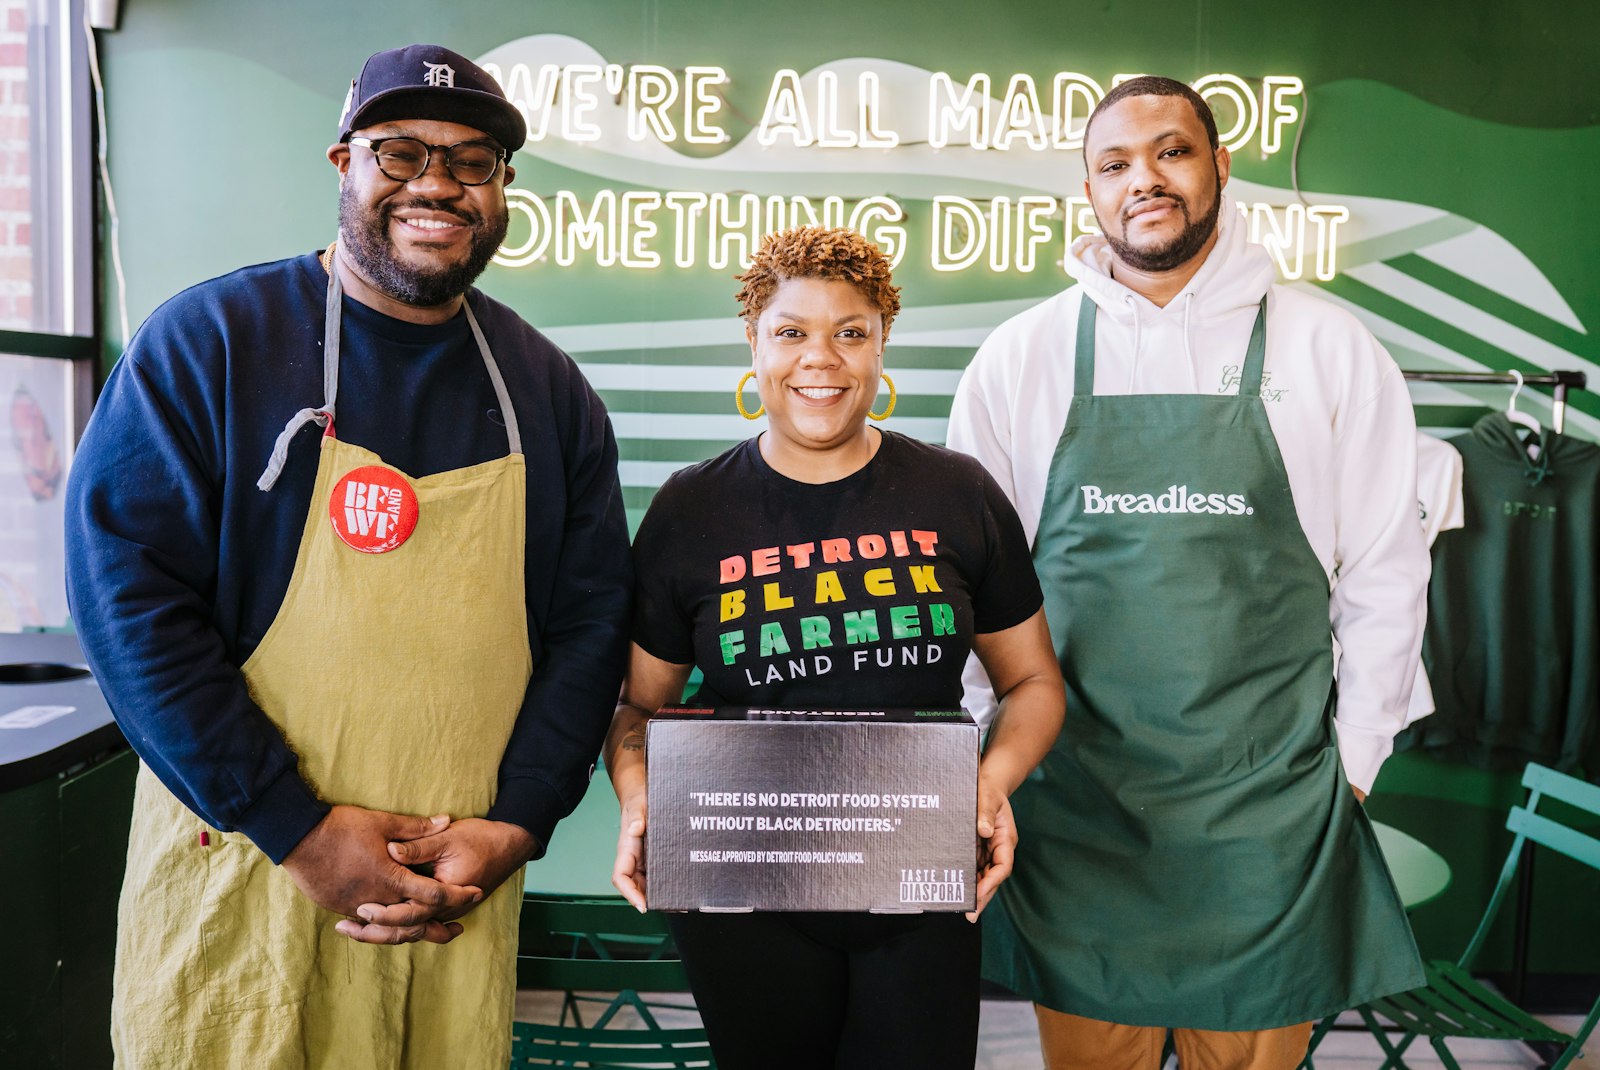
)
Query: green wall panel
[{"x": 219, "y": 113}]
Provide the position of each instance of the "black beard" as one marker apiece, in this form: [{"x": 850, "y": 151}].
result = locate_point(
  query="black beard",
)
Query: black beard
[
  {"x": 1182, "y": 248},
  {"x": 365, "y": 232}
]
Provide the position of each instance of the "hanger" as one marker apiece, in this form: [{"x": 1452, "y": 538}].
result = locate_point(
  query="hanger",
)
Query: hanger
[
  {"x": 1522, "y": 418},
  {"x": 1512, "y": 412}
]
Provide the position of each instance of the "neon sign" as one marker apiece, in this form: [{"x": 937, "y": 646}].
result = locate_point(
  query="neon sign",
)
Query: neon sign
[
  {"x": 722, "y": 230},
  {"x": 890, "y": 118}
]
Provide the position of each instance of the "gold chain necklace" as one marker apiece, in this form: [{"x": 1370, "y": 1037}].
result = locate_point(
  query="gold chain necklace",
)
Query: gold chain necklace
[{"x": 327, "y": 257}]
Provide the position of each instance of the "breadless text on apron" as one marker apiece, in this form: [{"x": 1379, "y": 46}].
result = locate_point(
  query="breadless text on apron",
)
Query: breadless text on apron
[
  {"x": 395, "y": 667},
  {"x": 1191, "y": 854}
]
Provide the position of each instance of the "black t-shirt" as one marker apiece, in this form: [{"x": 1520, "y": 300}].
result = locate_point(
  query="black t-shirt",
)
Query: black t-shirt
[{"x": 861, "y": 593}]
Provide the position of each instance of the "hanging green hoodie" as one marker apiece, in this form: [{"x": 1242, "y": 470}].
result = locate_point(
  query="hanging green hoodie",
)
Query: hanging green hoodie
[{"x": 1514, "y": 607}]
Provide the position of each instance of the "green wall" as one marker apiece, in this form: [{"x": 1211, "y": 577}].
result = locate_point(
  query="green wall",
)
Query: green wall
[
  {"x": 1490, "y": 113},
  {"x": 1480, "y": 125},
  {"x": 1484, "y": 117}
]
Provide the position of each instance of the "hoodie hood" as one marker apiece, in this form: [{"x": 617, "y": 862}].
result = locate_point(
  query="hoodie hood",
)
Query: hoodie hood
[
  {"x": 1235, "y": 276},
  {"x": 1496, "y": 431}
]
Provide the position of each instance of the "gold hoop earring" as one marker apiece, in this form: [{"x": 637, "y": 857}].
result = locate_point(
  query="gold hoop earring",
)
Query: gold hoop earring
[
  {"x": 884, "y": 415},
  {"x": 738, "y": 398}
]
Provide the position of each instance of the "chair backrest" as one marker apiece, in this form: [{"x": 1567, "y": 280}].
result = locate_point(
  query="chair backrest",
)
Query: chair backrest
[
  {"x": 593, "y": 944},
  {"x": 1527, "y": 825},
  {"x": 601, "y": 975},
  {"x": 602, "y": 918}
]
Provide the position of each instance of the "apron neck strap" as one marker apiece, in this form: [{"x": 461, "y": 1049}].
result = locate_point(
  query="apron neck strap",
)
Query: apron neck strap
[
  {"x": 513, "y": 433},
  {"x": 323, "y": 417},
  {"x": 1255, "y": 357},
  {"x": 1083, "y": 366}
]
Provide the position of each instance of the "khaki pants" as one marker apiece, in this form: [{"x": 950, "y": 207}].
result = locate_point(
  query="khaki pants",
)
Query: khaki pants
[{"x": 1074, "y": 1043}]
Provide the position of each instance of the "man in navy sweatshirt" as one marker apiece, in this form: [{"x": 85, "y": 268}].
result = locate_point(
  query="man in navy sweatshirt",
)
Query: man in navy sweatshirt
[{"x": 349, "y": 559}]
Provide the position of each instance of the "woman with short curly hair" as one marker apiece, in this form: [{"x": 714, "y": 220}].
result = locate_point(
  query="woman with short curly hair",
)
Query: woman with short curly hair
[
  {"x": 813, "y": 991},
  {"x": 827, "y": 253}
]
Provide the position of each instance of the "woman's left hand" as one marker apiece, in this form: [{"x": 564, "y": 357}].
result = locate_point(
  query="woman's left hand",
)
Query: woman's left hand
[
  {"x": 998, "y": 833},
  {"x": 1022, "y": 667}
]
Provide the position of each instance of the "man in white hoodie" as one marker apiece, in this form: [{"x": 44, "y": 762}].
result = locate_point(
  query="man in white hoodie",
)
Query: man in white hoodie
[{"x": 1218, "y": 475}]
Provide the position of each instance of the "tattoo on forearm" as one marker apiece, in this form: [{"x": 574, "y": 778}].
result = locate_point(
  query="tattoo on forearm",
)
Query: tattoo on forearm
[{"x": 634, "y": 740}]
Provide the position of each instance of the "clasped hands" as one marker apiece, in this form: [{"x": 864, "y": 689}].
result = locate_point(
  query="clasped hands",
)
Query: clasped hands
[{"x": 357, "y": 862}]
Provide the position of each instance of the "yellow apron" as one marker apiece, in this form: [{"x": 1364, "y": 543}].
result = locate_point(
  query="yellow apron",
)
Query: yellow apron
[{"x": 396, "y": 676}]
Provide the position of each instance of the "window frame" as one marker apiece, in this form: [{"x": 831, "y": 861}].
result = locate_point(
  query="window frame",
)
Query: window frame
[{"x": 65, "y": 200}]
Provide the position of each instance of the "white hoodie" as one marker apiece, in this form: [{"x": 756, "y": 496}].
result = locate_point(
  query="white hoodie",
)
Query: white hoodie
[{"x": 1338, "y": 407}]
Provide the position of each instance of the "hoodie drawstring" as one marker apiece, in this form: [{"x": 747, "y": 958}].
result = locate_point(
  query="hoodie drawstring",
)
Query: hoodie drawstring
[
  {"x": 1188, "y": 343},
  {"x": 1188, "y": 349},
  {"x": 1536, "y": 471}
]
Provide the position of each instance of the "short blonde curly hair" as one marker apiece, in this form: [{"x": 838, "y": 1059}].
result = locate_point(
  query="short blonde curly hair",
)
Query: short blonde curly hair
[{"x": 818, "y": 253}]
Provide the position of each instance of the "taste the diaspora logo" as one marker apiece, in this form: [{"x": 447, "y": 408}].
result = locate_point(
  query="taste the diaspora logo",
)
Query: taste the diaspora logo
[{"x": 373, "y": 509}]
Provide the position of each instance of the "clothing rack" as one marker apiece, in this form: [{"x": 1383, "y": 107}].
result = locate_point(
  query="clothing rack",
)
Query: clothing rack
[{"x": 1560, "y": 381}]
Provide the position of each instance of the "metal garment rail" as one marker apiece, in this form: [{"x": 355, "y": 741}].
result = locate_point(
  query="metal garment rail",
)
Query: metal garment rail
[{"x": 1559, "y": 381}]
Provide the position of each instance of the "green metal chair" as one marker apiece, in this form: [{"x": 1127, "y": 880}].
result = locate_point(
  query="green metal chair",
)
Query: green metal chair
[
  {"x": 608, "y": 1049},
  {"x": 602, "y": 951},
  {"x": 1453, "y": 1005}
]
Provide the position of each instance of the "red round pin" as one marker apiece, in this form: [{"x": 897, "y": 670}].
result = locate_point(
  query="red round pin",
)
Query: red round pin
[{"x": 373, "y": 509}]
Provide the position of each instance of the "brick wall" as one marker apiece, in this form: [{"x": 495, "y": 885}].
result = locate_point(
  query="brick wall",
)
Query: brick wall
[{"x": 16, "y": 215}]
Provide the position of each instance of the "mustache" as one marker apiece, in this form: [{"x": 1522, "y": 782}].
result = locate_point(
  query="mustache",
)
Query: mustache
[
  {"x": 1176, "y": 200},
  {"x": 465, "y": 215}
]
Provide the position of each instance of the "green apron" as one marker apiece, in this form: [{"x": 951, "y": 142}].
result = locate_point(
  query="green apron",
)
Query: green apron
[{"x": 1191, "y": 855}]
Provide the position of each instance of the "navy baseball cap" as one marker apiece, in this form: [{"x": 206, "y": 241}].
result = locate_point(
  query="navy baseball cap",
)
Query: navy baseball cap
[{"x": 430, "y": 82}]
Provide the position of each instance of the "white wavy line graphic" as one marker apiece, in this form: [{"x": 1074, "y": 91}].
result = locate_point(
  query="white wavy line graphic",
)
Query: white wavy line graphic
[{"x": 1402, "y": 340}]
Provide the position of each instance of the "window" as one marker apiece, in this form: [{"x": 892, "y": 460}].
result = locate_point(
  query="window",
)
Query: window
[
  {"x": 45, "y": 254},
  {"x": 47, "y": 344}
]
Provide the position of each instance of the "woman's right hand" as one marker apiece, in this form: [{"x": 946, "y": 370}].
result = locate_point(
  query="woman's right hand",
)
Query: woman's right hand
[{"x": 627, "y": 874}]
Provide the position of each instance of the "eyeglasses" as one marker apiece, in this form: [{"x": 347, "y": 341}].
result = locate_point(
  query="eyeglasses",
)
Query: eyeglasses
[{"x": 405, "y": 159}]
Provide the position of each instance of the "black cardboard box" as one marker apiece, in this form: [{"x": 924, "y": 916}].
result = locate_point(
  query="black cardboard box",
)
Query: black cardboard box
[{"x": 758, "y": 809}]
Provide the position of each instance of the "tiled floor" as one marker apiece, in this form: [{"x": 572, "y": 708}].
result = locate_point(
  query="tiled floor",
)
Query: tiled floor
[{"x": 1007, "y": 1040}]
